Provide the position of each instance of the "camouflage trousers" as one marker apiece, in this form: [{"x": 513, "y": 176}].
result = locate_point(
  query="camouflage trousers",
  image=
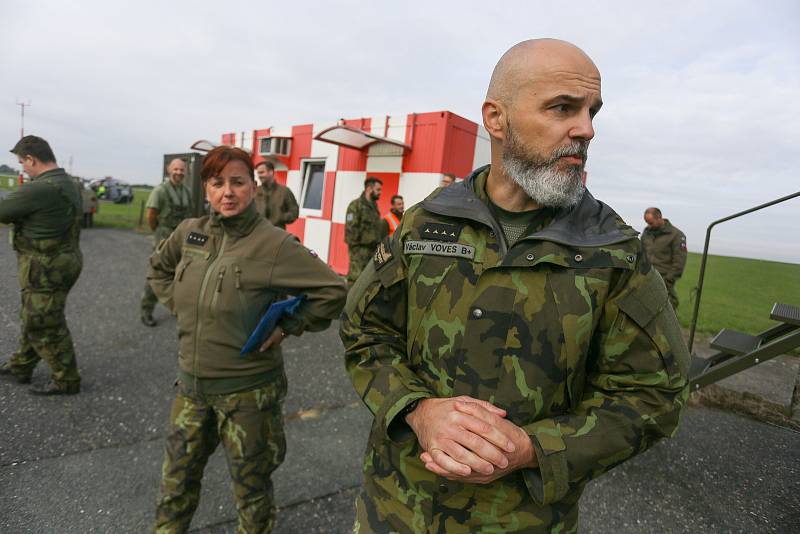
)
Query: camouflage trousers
[
  {"x": 46, "y": 281},
  {"x": 250, "y": 426},
  {"x": 359, "y": 255}
]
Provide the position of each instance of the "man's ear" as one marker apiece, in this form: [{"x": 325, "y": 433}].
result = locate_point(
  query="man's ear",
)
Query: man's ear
[{"x": 494, "y": 119}]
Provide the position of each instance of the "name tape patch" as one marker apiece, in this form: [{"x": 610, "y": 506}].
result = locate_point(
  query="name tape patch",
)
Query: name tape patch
[
  {"x": 195, "y": 238},
  {"x": 436, "y": 248}
]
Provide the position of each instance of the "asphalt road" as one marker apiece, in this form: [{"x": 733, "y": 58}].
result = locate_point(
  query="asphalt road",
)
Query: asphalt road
[{"x": 91, "y": 463}]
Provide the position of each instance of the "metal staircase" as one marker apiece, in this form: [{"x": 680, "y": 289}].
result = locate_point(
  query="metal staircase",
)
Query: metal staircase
[{"x": 738, "y": 351}]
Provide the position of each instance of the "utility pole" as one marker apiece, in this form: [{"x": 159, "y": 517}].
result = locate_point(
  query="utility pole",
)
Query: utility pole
[
  {"x": 22, "y": 106},
  {"x": 22, "y": 128}
]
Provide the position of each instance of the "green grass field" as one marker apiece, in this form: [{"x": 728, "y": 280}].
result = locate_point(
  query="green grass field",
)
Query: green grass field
[
  {"x": 8, "y": 182},
  {"x": 738, "y": 293},
  {"x": 122, "y": 215},
  {"x": 109, "y": 214}
]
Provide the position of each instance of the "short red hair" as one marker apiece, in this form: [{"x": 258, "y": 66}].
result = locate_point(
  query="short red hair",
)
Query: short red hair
[{"x": 216, "y": 160}]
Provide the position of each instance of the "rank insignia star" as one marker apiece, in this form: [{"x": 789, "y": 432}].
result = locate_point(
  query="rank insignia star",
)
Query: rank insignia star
[{"x": 196, "y": 238}]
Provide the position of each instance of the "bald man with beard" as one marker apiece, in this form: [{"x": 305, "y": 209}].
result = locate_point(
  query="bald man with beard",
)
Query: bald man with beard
[{"x": 510, "y": 339}]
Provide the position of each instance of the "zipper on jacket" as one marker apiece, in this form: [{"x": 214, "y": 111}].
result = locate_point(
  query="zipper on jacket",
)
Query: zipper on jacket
[
  {"x": 200, "y": 294},
  {"x": 220, "y": 277},
  {"x": 238, "y": 280},
  {"x": 218, "y": 287},
  {"x": 183, "y": 269}
]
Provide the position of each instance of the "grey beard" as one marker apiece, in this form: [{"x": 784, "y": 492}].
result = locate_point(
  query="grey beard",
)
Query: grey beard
[{"x": 540, "y": 179}]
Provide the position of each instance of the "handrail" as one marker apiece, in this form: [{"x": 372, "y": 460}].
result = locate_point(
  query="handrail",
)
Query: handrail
[{"x": 699, "y": 288}]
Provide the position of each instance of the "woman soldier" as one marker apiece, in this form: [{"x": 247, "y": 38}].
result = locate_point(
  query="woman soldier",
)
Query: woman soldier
[{"x": 218, "y": 274}]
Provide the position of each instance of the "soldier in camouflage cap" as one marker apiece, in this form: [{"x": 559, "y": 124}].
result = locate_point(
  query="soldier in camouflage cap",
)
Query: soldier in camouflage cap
[
  {"x": 363, "y": 229},
  {"x": 46, "y": 214},
  {"x": 510, "y": 339}
]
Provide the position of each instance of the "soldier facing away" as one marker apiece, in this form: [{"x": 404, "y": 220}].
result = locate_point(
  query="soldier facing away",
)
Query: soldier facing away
[
  {"x": 275, "y": 201},
  {"x": 46, "y": 214},
  {"x": 168, "y": 204},
  {"x": 363, "y": 229},
  {"x": 665, "y": 247},
  {"x": 511, "y": 339}
]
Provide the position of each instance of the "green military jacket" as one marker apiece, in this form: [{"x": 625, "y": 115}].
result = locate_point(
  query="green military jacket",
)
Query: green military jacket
[
  {"x": 219, "y": 276},
  {"x": 277, "y": 204},
  {"x": 43, "y": 208},
  {"x": 363, "y": 226},
  {"x": 570, "y": 331},
  {"x": 666, "y": 250}
]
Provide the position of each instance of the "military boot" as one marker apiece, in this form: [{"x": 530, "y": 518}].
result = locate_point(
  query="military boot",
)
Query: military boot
[
  {"x": 147, "y": 319},
  {"x": 57, "y": 388},
  {"x": 21, "y": 377}
]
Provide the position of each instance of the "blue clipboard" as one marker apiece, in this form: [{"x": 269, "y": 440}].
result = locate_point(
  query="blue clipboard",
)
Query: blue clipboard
[{"x": 269, "y": 321}]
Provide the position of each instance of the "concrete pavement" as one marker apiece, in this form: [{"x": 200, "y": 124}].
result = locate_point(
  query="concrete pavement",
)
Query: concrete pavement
[{"x": 91, "y": 463}]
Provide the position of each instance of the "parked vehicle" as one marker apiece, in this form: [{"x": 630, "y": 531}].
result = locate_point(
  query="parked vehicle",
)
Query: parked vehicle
[{"x": 112, "y": 189}]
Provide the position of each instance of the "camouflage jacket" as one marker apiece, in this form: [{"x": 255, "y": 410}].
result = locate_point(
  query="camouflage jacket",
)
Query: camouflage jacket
[
  {"x": 665, "y": 248},
  {"x": 569, "y": 330},
  {"x": 363, "y": 223},
  {"x": 277, "y": 204}
]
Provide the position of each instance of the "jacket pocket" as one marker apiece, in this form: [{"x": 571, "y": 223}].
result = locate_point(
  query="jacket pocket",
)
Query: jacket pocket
[
  {"x": 650, "y": 309},
  {"x": 182, "y": 266},
  {"x": 427, "y": 277}
]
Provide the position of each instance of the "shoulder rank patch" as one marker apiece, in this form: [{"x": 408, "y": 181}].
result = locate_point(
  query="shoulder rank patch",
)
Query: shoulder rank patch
[
  {"x": 440, "y": 232},
  {"x": 196, "y": 238},
  {"x": 683, "y": 243},
  {"x": 382, "y": 255}
]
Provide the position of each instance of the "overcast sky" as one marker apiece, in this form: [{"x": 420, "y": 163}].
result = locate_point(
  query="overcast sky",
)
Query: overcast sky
[{"x": 701, "y": 112}]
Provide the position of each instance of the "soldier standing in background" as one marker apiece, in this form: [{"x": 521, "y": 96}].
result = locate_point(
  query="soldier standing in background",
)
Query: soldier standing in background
[
  {"x": 510, "y": 339},
  {"x": 392, "y": 219},
  {"x": 168, "y": 204},
  {"x": 665, "y": 247},
  {"x": 275, "y": 201},
  {"x": 363, "y": 229},
  {"x": 46, "y": 215}
]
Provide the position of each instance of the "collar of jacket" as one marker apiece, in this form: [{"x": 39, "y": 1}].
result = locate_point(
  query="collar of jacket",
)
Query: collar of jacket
[
  {"x": 373, "y": 205},
  {"x": 52, "y": 173},
  {"x": 178, "y": 188},
  {"x": 238, "y": 225},
  {"x": 665, "y": 228},
  {"x": 589, "y": 224}
]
